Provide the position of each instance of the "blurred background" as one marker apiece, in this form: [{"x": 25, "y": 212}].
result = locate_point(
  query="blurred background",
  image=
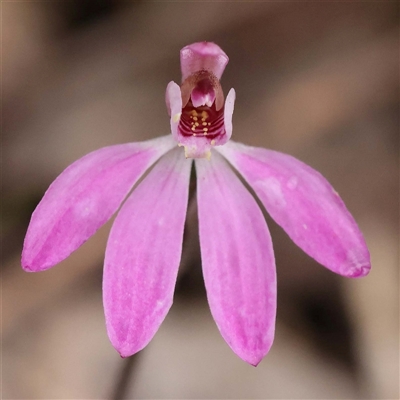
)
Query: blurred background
[{"x": 318, "y": 80}]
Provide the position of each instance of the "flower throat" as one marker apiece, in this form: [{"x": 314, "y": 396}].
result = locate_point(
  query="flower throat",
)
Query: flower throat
[{"x": 203, "y": 100}]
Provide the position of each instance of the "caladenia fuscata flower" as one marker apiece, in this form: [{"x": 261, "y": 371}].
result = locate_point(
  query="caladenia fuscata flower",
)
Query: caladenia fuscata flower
[{"x": 145, "y": 243}]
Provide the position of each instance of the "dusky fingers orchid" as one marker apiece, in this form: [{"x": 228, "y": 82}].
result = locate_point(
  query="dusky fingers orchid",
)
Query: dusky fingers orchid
[{"x": 145, "y": 243}]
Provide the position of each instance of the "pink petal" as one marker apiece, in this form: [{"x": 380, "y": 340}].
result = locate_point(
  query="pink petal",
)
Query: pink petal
[
  {"x": 238, "y": 260},
  {"x": 228, "y": 113},
  {"x": 305, "y": 205},
  {"x": 83, "y": 198},
  {"x": 173, "y": 99},
  {"x": 203, "y": 56},
  {"x": 143, "y": 255}
]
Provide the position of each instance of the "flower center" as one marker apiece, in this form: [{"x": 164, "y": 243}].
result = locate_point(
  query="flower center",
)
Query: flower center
[
  {"x": 201, "y": 121},
  {"x": 202, "y": 100}
]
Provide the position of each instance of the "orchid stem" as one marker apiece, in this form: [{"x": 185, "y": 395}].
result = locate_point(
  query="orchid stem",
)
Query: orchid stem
[{"x": 124, "y": 381}]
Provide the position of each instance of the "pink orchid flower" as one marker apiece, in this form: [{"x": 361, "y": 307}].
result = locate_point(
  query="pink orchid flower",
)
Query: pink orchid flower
[{"x": 145, "y": 243}]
